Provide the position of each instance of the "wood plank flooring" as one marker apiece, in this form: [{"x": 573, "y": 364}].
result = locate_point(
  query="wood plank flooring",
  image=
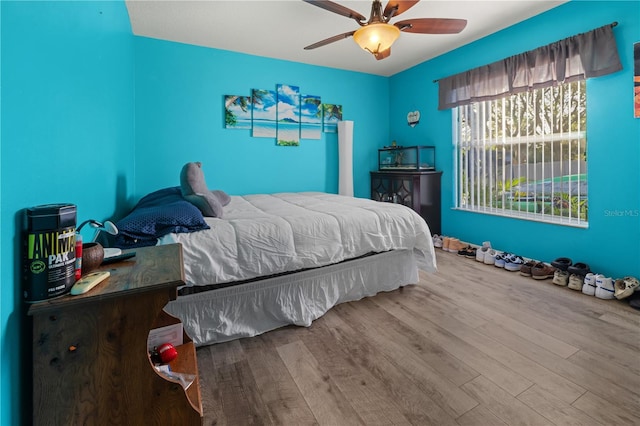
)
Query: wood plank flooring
[{"x": 469, "y": 345}]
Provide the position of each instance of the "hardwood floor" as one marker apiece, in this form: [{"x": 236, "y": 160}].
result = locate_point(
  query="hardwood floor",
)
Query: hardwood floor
[{"x": 469, "y": 345}]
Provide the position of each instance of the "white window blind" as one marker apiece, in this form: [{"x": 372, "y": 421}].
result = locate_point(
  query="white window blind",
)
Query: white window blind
[{"x": 524, "y": 155}]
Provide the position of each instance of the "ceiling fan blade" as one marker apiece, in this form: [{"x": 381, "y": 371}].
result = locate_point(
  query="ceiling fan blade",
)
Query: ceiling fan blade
[
  {"x": 432, "y": 25},
  {"x": 337, "y": 8},
  {"x": 330, "y": 40},
  {"x": 384, "y": 54},
  {"x": 395, "y": 8}
]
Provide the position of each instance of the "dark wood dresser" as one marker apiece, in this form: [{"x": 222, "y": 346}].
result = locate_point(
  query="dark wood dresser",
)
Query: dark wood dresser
[
  {"x": 418, "y": 190},
  {"x": 91, "y": 365}
]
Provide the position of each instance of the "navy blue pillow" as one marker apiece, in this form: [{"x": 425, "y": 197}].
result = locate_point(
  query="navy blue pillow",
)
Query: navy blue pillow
[{"x": 157, "y": 214}]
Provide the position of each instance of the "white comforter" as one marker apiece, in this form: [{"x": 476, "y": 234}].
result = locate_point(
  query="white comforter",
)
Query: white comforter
[{"x": 265, "y": 234}]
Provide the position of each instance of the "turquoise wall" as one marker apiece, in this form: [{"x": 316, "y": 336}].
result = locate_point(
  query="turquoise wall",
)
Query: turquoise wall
[
  {"x": 67, "y": 136},
  {"x": 611, "y": 244},
  {"x": 180, "y": 91},
  {"x": 95, "y": 116}
]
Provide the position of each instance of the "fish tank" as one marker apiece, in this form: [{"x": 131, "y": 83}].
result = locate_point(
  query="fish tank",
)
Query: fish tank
[{"x": 410, "y": 158}]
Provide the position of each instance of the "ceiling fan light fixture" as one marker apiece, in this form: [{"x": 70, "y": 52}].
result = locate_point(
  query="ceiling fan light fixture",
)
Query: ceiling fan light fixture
[{"x": 376, "y": 37}]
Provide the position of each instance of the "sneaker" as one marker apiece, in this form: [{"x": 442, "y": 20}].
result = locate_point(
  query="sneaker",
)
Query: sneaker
[
  {"x": 437, "y": 241},
  {"x": 589, "y": 287},
  {"x": 513, "y": 263},
  {"x": 575, "y": 281},
  {"x": 500, "y": 259},
  {"x": 542, "y": 271},
  {"x": 579, "y": 268},
  {"x": 561, "y": 263},
  {"x": 624, "y": 287},
  {"x": 560, "y": 277},
  {"x": 490, "y": 257},
  {"x": 525, "y": 269},
  {"x": 576, "y": 284},
  {"x": 455, "y": 245},
  {"x": 604, "y": 287},
  {"x": 480, "y": 253},
  {"x": 468, "y": 252}
]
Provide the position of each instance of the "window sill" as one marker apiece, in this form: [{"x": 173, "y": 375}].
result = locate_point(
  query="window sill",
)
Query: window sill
[{"x": 553, "y": 220}]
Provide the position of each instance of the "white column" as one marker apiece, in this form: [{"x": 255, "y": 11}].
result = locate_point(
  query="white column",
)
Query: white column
[{"x": 345, "y": 158}]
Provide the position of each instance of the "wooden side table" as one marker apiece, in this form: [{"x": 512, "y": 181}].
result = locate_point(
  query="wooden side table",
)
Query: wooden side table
[{"x": 90, "y": 360}]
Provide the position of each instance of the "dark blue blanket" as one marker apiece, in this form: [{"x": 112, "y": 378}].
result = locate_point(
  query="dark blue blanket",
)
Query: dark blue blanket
[{"x": 157, "y": 214}]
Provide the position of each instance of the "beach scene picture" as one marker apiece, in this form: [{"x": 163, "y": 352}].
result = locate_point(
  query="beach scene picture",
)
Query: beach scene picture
[
  {"x": 264, "y": 109},
  {"x": 237, "y": 112},
  {"x": 288, "y": 113},
  {"x": 331, "y": 114},
  {"x": 283, "y": 114},
  {"x": 310, "y": 117}
]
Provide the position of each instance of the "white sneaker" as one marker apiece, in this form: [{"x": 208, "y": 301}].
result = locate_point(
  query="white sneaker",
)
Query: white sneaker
[
  {"x": 604, "y": 287},
  {"x": 501, "y": 259},
  {"x": 490, "y": 257},
  {"x": 513, "y": 263},
  {"x": 589, "y": 287},
  {"x": 481, "y": 252},
  {"x": 437, "y": 241},
  {"x": 575, "y": 282},
  {"x": 560, "y": 277}
]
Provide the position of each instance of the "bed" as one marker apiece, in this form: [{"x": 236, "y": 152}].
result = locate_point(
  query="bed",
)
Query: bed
[{"x": 277, "y": 259}]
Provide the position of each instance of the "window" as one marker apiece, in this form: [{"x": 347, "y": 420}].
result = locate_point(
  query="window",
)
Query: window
[{"x": 524, "y": 155}]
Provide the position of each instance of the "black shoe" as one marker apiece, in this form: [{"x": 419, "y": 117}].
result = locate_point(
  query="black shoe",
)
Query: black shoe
[
  {"x": 579, "y": 268},
  {"x": 561, "y": 263}
]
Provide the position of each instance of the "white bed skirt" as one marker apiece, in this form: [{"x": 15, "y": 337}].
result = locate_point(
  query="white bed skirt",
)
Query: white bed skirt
[{"x": 254, "y": 308}]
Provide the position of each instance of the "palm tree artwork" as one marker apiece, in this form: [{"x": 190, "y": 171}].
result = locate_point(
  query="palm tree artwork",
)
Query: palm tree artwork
[
  {"x": 331, "y": 115},
  {"x": 264, "y": 107},
  {"x": 237, "y": 112},
  {"x": 310, "y": 117}
]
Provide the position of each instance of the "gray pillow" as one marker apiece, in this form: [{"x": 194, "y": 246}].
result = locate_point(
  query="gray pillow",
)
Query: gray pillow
[
  {"x": 222, "y": 196},
  {"x": 194, "y": 189}
]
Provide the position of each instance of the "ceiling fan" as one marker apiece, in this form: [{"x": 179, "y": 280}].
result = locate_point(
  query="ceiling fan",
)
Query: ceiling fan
[{"x": 376, "y": 35}]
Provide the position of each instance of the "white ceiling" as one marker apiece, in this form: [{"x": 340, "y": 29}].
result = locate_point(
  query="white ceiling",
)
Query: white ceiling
[{"x": 281, "y": 29}]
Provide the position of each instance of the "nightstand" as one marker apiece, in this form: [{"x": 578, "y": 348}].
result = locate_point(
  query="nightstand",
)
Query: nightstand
[{"x": 90, "y": 358}]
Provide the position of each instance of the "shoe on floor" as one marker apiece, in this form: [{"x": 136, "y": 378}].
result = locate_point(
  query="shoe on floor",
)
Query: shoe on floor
[
  {"x": 560, "y": 277},
  {"x": 634, "y": 300},
  {"x": 445, "y": 243},
  {"x": 561, "y": 263},
  {"x": 455, "y": 245},
  {"x": 490, "y": 257},
  {"x": 604, "y": 287},
  {"x": 468, "y": 252},
  {"x": 500, "y": 259},
  {"x": 575, "y": 281},
  {"x": 525, "y": 269},
  {"x": 624, "y": 287},
  {"x": 589, "y": 287},
  {"x": 542, "y": 271},
  {"x": 437, "y": 241},
  {"x": 513, "y": 263},
  {"x": 480, "y": 253}
]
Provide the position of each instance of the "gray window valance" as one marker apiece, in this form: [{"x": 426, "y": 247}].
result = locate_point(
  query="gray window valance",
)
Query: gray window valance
[{"x": 590, "y": 54}]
